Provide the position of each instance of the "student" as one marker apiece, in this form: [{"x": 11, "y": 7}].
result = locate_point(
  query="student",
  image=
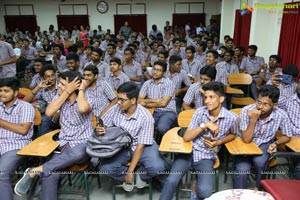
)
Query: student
[
  {"x": 103, "y": 67},
  {"x": 211, "y": 126},
  {"x": 163, "y": 56},
  {"x": 30, "y": 54},
  {"x": 159, "y": 93},
  {"x": 73, "y": 62},
  {"x": 59, "y": 60},
  {"x": 239, "y": 55},
  {"x": 191, "y": 65},
  {"x": 212, "y": 58},
  {"x": 76, "y": 128},
  {"x": 16, "y": 127},
  {"x": 252, "y": 64},
  {"x": 111, "y": 52},
  {"x": 116, "y": 76},
  {"x": 36, "y": 79},
  {"x": 100, "y": 90},
  {"x": 137, "y": 120},
  {"x": 8, "y": 61},
  {"x": 132, "y": 68},
  {"x": 200, "y": 54},
  {"x": 226, "y": 67},
  {"x": 259, "y": 123},
  {"x": 45, "y": 91},
  {"x": 178, "y": 77},
  {"x": 195, "y": 91}
]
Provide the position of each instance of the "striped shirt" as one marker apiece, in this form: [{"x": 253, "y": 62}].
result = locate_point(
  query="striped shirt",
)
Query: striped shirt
[
  {"x": 102, "y": 95},
  {"x": 30, "y": 53},
  {"x": 265, "y": 130},
  {"x": 103, "y": 68},
  {"x": 76, "y": 128},
  {"x": 181, "y": 53},
  {"x": 133, "y": 71},
  {"x": 140, "y": 125},
  {"x": 47, "y": 95},
  {"x": 223, "y": 71},
  {"x": 227, "y": 123},
  {"x": 192, "y": 68},
  {"x": 20, "y": 112},
  {"x": 179, "y": 78},
  {"x": 108, "y": 57},
  {"x": 252, "y": 65},
  {"x": 201, "y": 58},
  {"x": 36, "y": 79},
  {"x": 115, "y": 82},
  {"x": 61, "y": 63},
  {"x": 194, "y": 93},
  {"x": 292, "y": 109},
  {"x": 6, "y": 53},
  {"x": 165, "y": 87}
]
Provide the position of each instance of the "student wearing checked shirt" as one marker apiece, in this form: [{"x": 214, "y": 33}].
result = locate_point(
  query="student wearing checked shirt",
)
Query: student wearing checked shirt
[
  {"x": 76, "y": 128},
  {"x": 210, "y": 127},
  {"x": 16, "y": 128},
  {"x": 259, "y": 123},
  {"x": 139, "y": 123}
]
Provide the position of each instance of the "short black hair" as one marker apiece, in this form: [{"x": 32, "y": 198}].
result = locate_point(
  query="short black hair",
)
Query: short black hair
[
  {"x": 164, "y": 52},
  {"x": 112, "y": 45},
  {"x": 46, "y": 68},
  {"x": 176, "y": 39},
  {"x": 161, "y": 63},
  {"x": 130, "y": 50},
  {"x": 61, "y": 48},
  {"x": 229, "y": 51},
  {"x": 174, "y": 58},
  {"x": 71, "y": 75},
  {"x": 92, "y": 68},
  {"x": 229, "y": 39},
  {"x": 79, "y": 44},
  {"x": 116, "y": 60},
  {"x": 98, "y": 51},
  {"x": 202, "y": 44},
  {"x": 72, "y": 56},
  {"x": 269, "y": 91},
  {"x": 291, "y": 69},
  {"x": 214, "y": 52},
  {"x": 276, "y": 57},
  {"x": 131, "y": 90},
  {"x": 12, "y": 82},
  {"x": 41, "y": 60},
  {"x": 190, "y": 48},
  {"x": 209, "y": 71},
  {"x": 241, "y": 48},
  {"x": 215, "y": 86},
  {"x": 254, "y": 47}
]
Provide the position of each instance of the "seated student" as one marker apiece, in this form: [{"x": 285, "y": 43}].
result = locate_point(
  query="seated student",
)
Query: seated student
[
  {"x": 135, "y": 119},
  {"x": 159, "y": 93},
  {"x": 210, "y": 127},
  {"x": 178, "y": 77},
  {"x": 76, "y": 128},
  {"x": 266, "y": 72},
  {"x": 98, "y": 89},
  {"x": 36, "y": 79},
  {"x": 102, "y": 66},
  {"x": 212, "y": 58},
  {"x": 162, "y": 55},
  {"x": 292, "y": 108},
  {"x": 226, "y": 67},
  {"x": 111, "y": 52},
  {"x": 73, "y": 62},
  {"x": 132, "y": 68},
  {"x": 195, "y": 91},
  {"x": 16, "y": 128},
  {"x": 30, "y": 54},
  {"x": 59, "y": 60},
  {"x": 177, "y": 49},
  {"x": 259, "y": 123},
  {"x": 200, "y": 53},
  {"x": 116, "y": 76},
  {"x": 45, "y": 91},
  {"x": 191, "y": 65},
  {"x": 286, "y": 90}
]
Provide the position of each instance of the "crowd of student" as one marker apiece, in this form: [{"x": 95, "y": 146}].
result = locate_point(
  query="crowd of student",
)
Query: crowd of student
[{"x": 119, "y": 78}]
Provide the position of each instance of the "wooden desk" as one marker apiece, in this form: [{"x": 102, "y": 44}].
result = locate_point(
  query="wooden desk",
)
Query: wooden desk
[
  {"x": 294, "y": 144},
  {"x": 238, "y": 147},
  {"x": 41, "y": 146}
]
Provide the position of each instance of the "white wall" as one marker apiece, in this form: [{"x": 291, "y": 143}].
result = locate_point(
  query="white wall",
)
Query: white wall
[
  {"x": 265, "y": 26},
  {"x": 158, "y": 11}
]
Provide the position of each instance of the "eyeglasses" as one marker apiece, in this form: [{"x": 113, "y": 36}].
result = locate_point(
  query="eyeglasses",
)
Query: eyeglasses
[
  {"x": 266, "y": 105},
  {"x": 121, "y": 100}
]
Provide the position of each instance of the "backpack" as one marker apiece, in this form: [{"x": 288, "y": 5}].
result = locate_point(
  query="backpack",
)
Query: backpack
[{"x": 105, "y": 146}]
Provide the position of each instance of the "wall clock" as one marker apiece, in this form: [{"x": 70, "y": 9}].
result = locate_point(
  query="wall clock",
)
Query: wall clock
[{"x": 102, "y": 7}]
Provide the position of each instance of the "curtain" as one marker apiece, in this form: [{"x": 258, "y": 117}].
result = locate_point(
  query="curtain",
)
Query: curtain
[
  {"x": 242, "y": 30},
  {"x": 289, "y": 41},
  {"x": 68, "y": 21},
  {"x": 137, "y": 23},
  {"x": 23, "y": 22}
]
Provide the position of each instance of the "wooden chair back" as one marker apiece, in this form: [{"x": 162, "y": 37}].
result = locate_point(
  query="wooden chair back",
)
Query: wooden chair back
[
  {"x": 239, "y": 79},
  {"x": 184, "y": 118},
  {"x": 37, "y": 118},
  {"x": 24, "y": 91}
]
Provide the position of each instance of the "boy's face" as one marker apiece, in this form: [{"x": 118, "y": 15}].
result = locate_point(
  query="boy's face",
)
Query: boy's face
[
  {"x": 114, "y": 67},
  {"x": 72, "y": 65},
  {"x": 265, "y": 105},
  {"x": 189, "y": 54},
  {"x": 37, "y": 66},
  {"x": 210, "y": 59},
  {"x": 7, "y": 94},
  {"x": 50, "y": 77},
  {"x": 212, "y": 101}
]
